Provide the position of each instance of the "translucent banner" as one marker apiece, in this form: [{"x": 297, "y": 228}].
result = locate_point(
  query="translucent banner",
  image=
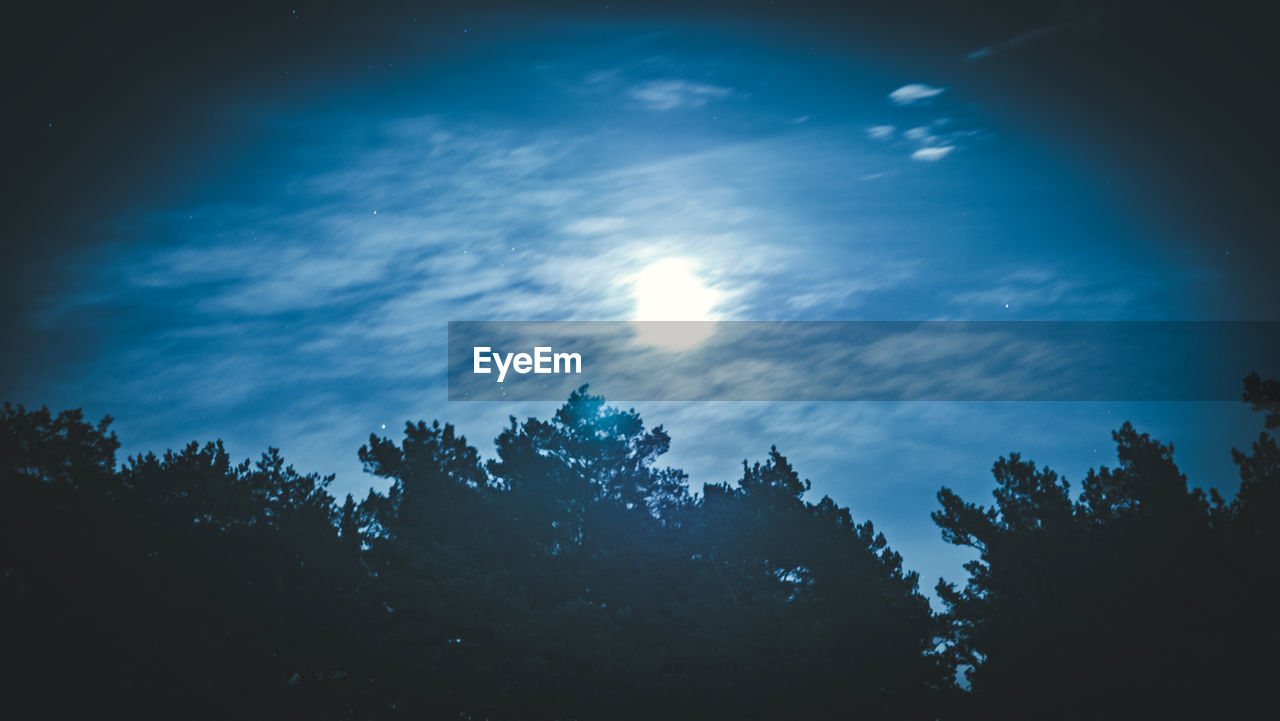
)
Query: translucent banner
[{"x": 859, "y": 360}]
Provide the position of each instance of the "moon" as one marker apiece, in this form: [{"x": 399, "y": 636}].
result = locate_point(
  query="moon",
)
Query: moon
[{"x": 672, "y": 290}]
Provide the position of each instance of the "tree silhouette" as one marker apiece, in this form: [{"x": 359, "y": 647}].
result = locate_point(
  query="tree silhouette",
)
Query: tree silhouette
[
  {"x": 176, "y": 582},
  {"x": 572, "y": 576},
  {"x": 819, "y": 602},
  {"x": 1140, "y": 598}
]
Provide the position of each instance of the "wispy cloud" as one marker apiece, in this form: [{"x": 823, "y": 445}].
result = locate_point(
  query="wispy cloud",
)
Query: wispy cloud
[
  {"x": 827, "y": 294},
  {"x": 1013, "y": 42},
  {"x": 929, "y": 143},
  {"x": 880, "y": 132},
  {"x": 470, "y": 222},
  {"x": 914, "y": 93},
  {"x": 1037, "y": 33},
  {"x": 932, "y": 154},
  {"x": 1047, "y": 292},
  {"x": 676, "y": 94},
  {"x": 922, "y": 134},
  {"x": 937, "y": 140}
]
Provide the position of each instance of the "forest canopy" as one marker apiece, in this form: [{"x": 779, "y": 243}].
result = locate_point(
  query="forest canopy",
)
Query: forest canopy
[{"x": 573, "y": 576}]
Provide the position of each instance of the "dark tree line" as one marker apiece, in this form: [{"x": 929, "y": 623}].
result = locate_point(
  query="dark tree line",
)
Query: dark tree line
[
  {"x": 1140, "y": 598},
  {"x": 573, "y": 577}
]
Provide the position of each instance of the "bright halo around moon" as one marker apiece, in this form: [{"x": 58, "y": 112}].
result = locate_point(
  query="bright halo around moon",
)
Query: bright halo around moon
[{"x": 671, "y": 290}]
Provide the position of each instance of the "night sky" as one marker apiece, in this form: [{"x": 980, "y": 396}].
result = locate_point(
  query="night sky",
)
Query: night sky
[{"x": 252, "y": 221}]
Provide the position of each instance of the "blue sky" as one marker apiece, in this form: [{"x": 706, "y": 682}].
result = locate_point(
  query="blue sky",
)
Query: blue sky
[{"x": 294, "y": 290}]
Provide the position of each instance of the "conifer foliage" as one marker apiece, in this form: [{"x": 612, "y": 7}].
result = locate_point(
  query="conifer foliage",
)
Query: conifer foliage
[{"x": 572, "y": 576}]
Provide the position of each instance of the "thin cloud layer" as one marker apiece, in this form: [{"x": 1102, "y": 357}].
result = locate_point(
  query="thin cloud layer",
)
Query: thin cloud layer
[
  {"x": 677, "y": 94},
  {"x": 880, "y": 132},
  {"x": 932, "y": 154},
  {"x": 914, "y": 93}
]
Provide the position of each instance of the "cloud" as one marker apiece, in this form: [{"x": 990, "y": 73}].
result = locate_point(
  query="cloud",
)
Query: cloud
[
  {"x": 880, "y": 132},
  {"x": 309, "y": 294},
  {"x": 932, "y": 155},
  {"x": 1028, "y": 36},
  {"x": 914, "y": 93},
  {"x": 931, "y": 142},
  {"x": 837, "y": 293},
  {"x": 1013, "y": 42},
  {"x": 919, "y": 134},
  {"x": 675, "y": 94},
  {"x": 1044, "y": 291},
  {"x": 473, "y": 221},
  {"x": 596, "y": 226}
]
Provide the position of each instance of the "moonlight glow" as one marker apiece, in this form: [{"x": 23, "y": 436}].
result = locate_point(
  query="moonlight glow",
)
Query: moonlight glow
[{"x": 670, "y": 290}]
